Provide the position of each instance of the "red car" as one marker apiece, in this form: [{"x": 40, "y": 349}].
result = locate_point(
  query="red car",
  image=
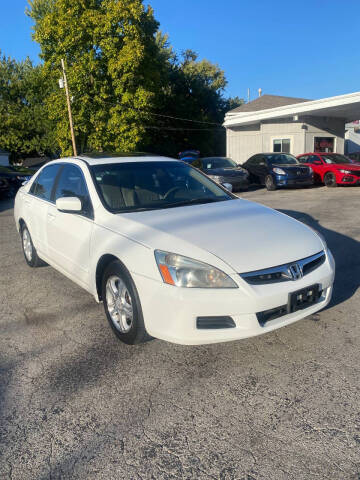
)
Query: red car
[{"x": 332, "y": 169}]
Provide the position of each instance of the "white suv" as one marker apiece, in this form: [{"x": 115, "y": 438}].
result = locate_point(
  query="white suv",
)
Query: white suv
[{"x": 170, "y": 253}]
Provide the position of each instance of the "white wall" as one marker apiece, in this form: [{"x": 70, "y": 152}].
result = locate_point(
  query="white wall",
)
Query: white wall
[{"x": 243, "y": 142}]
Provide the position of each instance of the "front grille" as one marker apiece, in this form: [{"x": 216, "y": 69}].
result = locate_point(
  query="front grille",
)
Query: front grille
[
  {"x": 356, "y": 173},
  {"x": 286, "y": 272}
]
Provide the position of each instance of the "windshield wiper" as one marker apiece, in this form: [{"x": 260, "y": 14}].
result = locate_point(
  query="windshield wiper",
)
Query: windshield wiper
[{"x": 194, "y": 201}]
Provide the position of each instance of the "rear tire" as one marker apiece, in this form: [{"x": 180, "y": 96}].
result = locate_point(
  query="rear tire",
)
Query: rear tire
[
  {"x": 269, "y": 183},
  {"x": 30, "y": 253},
  {"x": 122, "y": 305},
  {"x": 330, "y": 180}
]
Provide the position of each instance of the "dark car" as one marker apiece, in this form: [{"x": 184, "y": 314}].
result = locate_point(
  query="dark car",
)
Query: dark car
[
  {"x": 223, "y": 170},
  {"x": 189, "y": 156},
  {"x": 355, "y": 156},
  {"x": 278, "y": 170},
  {"x": 15, "y": 176},
  {"x": 4, "y": 186}
]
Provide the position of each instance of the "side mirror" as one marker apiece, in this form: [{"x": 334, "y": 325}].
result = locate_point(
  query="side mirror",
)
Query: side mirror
[
  {"x": 69, "y": 204},
  {"x": 228, "y": 186}
]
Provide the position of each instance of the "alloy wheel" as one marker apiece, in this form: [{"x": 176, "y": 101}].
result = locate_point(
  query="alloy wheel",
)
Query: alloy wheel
[
  {"x": 119, "y": 304},
  {"x": 28, "y": 250}
]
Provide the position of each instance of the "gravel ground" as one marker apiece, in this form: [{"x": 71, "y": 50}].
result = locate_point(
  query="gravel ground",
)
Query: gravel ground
[{"x": 75, "y": 403}]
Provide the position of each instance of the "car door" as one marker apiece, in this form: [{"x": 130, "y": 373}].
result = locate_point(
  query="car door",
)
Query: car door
[
  {"x": 317, "y": 164},
  {"x": 69, "y": 234},
  {"x": 36, "y": 204},
  {"x": 250, "y": 166},
  {"x": 262, "y": 168}
]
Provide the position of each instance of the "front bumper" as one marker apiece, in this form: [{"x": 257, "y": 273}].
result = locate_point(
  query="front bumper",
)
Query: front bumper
[
  {"x": 349, "y": 180},
  {"x": 171, "y": 313},
  {"x": 283, "y": 181}
]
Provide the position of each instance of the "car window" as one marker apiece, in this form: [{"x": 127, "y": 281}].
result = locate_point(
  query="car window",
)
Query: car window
[
  {"x": 255, "y": 160},
  {"x": 335, "y": 158},
  {"x": 71, "y": 183},
  {"x": 314, "y": 158},
  {"x": 210, "y": 163},
  {"x": 197, "y": 163},
  {"x": 281, "y": 159},
  {"x": 43, "y": 185},
  {"x": 303, "y": 159}
]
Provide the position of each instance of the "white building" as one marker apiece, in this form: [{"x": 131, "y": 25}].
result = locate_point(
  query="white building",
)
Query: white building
[{"x": 294, "y": 125}]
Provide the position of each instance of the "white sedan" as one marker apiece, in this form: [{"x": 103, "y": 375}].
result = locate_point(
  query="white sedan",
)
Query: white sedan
[{"x": 170, "y": 253}]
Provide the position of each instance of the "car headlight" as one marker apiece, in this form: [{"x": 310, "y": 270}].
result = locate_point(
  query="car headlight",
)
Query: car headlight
[
  {"x": 186, "y": 272},
  {"x": 216, "y": 178},
  {"x": 279, "y": 171},
  {"x": 310, "y": 170},
  {"x": 345, "y": 171}
]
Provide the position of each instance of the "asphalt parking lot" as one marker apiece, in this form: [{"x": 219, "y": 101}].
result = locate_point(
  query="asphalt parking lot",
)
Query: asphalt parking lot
[{"x": 77, "y": 404}]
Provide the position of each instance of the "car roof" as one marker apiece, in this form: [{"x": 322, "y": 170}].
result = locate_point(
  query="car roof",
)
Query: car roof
[{"x": 103, "y": 158}]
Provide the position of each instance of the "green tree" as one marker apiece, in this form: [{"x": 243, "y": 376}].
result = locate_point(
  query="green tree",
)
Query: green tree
[
  {"x": 25, "y": 127},
  {"x": 193, "y": 91},
  {"x": 113, "y": 68}
]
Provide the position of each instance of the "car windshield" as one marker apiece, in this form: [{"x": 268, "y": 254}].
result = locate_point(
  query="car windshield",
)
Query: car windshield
[
  {"x": 282, "y": 159},
  {"x": 335, "y": 158},
  {"x": 218, "y": 162},
  {"x": 138, "y": 186}
]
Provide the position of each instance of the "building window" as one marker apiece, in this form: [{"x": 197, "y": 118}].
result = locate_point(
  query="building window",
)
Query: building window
[
  {"x": 324, "y": 144},
  {"x": 281, "y": 145}
]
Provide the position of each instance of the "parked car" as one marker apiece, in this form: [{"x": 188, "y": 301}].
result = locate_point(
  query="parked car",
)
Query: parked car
[
  {"x": 332, "y": 169},
  {"x": 276, "y": 170},
  {"x": 15, "y": 177},
  {"x": 189, "y": 156},
  {"x": 224, "y": 170},
  {"x": 355, "y": 157},
  {"x": 5, "y": 189},
  {"x": 169, "y": 252}
]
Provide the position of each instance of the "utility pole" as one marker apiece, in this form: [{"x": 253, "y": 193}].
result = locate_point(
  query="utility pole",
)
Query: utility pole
[{"x": 69, "y": 107}]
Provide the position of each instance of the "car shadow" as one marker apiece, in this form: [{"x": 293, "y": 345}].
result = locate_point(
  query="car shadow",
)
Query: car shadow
[
  {"x": 346, "y": 251},
  {"x": 6, "y": 204}
]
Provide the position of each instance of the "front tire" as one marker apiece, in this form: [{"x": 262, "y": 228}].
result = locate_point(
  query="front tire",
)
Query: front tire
[
  {"x": 269, "y": 183},
  {"x": 330, "y": 180},
  {"x": 122, "y": 305},
  {"x": 30, "y": 253}
]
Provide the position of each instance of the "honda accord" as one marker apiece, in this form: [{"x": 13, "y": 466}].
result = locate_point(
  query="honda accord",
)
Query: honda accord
[{"x": 169, "y": 252}]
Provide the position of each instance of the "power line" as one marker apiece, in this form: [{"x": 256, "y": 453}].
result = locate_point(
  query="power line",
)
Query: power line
[
  {"x": 162, "y": 115},
  {"x": 183, "y": 129}
]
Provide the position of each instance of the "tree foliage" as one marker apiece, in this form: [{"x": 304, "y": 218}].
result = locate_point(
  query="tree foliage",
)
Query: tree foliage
[
  {"x": 129, "y": 89},
  {"x": 193, "y": 91},
  {"x": 24, "y": 127},
  {"x": 112, "y": 67}
]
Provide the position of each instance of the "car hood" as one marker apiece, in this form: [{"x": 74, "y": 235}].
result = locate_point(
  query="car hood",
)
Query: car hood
[
  {"x": 245, "y": 235},
  {"x": 226, "y": 172},
  {"x": 343, "y": 166}
]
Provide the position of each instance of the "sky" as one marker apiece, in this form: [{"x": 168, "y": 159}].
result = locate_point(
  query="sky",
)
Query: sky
[{"x": 306, "y": 49}]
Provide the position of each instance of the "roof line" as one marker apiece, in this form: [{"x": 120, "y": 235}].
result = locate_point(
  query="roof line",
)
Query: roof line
[{"x": 286, "y": 110}]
